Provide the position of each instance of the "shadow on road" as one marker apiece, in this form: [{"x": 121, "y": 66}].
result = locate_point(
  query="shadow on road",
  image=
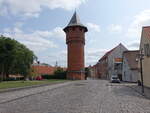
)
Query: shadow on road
[{"x": 124, "y": 90}]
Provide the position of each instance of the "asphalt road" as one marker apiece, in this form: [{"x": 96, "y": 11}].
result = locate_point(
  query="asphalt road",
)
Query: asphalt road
[{"x": 91, "y": 96}]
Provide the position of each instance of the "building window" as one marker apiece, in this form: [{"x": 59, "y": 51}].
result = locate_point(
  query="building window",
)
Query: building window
[
  {"x": 106, "y": 60},
  {"x": 117, "y": 66},
  {"x": 147, "y": 50}
]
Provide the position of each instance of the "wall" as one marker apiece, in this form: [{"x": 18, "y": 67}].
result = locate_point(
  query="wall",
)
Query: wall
[
  {"x": 116, "y": 53},
  {"x": 128, "y": 74},
  {"x": 146, "y": 61}
]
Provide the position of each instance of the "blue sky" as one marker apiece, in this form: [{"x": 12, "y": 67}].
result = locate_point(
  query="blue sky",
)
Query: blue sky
[{"x": 38, "y": 24}]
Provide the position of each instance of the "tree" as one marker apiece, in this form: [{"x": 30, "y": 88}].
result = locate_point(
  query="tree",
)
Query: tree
[
  {"x": 87, "y": 71},
  {"x": 24, "y": 59},
  {"x": 33, "y": 73},
  {"x": 7, "y": 47},
  {"x": 15, "y": 58}
]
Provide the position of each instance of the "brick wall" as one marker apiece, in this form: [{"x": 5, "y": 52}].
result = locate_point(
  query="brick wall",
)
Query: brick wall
[{"x": 75, "y": 41}]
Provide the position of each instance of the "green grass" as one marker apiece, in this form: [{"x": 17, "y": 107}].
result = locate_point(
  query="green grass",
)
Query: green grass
[{"x": 17, "y": 84}]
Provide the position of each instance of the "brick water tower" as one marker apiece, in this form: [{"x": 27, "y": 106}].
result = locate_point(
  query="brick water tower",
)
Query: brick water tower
[{"x": 75, "y": 40}]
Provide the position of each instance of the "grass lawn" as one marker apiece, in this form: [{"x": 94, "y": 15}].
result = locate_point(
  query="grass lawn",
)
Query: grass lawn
[{"x": 17, "y": 84}]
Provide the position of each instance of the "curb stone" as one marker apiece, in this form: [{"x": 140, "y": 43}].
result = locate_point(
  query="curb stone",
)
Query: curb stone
[
  {"x": 136, "y": 89},
  {"x": 26, "y": 87}
]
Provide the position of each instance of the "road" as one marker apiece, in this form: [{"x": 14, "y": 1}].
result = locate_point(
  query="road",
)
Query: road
[{"x": 91, "y": 96}]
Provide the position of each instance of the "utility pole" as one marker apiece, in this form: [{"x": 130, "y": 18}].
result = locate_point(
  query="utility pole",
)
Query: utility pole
[
  {"x": 141, "y": 69},
  {"x": 56, "y": 65}
]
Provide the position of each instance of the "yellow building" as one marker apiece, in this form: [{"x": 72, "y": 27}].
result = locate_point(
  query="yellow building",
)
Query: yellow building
[{"x": 145, "y": 48}]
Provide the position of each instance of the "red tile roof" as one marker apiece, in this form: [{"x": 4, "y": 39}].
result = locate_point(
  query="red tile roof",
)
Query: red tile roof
[
  {"x": 146, "y": 31},
  {"x": 43, "y": 69}
]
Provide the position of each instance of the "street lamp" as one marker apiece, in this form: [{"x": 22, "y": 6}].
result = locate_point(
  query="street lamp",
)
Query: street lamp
[{"x": 141, "y": 57}]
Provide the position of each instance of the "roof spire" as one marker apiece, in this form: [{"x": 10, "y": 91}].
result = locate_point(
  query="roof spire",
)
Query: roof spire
[{"x": 75, "y": 21}]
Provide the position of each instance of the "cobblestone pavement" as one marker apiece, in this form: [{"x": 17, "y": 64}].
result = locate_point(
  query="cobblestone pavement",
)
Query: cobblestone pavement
[
  {"x": 91, "y": 96},
  {"x": 139, "y": 90}
]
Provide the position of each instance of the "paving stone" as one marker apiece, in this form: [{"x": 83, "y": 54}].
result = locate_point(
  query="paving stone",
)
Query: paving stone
[{"x": 91, "y": 96}]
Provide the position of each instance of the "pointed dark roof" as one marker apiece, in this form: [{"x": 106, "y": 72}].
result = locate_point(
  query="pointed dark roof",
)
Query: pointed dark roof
[{"x": 75, "y": 21}]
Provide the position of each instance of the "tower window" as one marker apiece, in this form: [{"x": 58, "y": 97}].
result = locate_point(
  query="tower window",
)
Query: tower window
[
  {"x": 73, "y": 29},
  {"x": 67, "y": 30},
  {"x": 80, "y": 29}
]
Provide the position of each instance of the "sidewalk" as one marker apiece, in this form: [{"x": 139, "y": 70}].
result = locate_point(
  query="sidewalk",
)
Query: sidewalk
[
  {"x": 139, "y": 90},
  {"x": 18, "y": 94},
  {"x": 3, "y": 90}
]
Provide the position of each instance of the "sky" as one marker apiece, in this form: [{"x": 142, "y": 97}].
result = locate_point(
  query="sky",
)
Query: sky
[{"x": 39, "y": 24}]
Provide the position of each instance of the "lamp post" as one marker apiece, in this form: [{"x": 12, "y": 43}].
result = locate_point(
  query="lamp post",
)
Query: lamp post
[{"x": 38, "y": 63}]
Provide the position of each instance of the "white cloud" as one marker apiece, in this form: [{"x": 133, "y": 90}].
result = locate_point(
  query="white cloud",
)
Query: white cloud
[
  {"x": 32, "y": 8},
  {"x": 58, "y": 33},
  {"x": 55, "y": 33},
  {"x": 93, "y": 55},
  {"x": 37, "y": 40},
  {"x": 40, "y": 41},
  {"x": 134, "y": 45},
  {"x": 3, "y": 11},
  {"x": 115, "y": 28},
  {"x": 93, "y": 27},
  {"x": 141, "y": 19},
  {"x": 18, "y": 24},
  {"x": 60, "y": 57}
]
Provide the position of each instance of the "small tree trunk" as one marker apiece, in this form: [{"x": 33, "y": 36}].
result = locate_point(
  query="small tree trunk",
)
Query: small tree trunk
[
  {"x": 7, "y": 75},
  {"x": 2, "y": 73},
  {"x": 1, "y": 77}
]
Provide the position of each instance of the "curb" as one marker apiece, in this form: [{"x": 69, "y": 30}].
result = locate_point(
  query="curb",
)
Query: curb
[
  {"x": 136, "y": 90},
  {"x": 26, "y": 87},
  {"x": 53, "y": 87}
]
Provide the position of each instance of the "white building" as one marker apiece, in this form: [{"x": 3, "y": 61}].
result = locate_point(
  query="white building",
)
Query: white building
[
  {"x": 115, "y": 61},
  {"x": 130, "y": 66}
]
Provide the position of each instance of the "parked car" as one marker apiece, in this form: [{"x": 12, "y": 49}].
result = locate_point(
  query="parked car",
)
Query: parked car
[
  {"x": 38, "y": 78},
  {"x": 115, "y": 79}
]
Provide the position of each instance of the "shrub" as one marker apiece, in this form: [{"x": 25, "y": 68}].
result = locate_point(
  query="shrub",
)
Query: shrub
[
  {"x": 13, "y": 79},
  {"x": 58, "y": 74},
  {"x": 47, "y": 76}
]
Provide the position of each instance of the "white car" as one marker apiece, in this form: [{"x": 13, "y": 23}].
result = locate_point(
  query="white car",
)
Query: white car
[{"x": 115, "y": 79}]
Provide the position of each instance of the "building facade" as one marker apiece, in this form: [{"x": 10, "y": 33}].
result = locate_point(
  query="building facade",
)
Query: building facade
[
  {"x": 114, "y": 60},
  {"x": 41, "y": 69},
  {"x": 102, "y": 66},
  {"x": 130, "y": 66},
  {"x": 110, "y": 64},
  {"x": 145, "y": 50},
  {"x": 75, "y": 40}
]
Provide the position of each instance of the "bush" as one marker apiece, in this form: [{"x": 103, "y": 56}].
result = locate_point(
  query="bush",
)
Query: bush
[
  {"x": 48, "y": 76},
  {"x": 58, "y": 74},
  {"x": 13, "y": 79}
]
